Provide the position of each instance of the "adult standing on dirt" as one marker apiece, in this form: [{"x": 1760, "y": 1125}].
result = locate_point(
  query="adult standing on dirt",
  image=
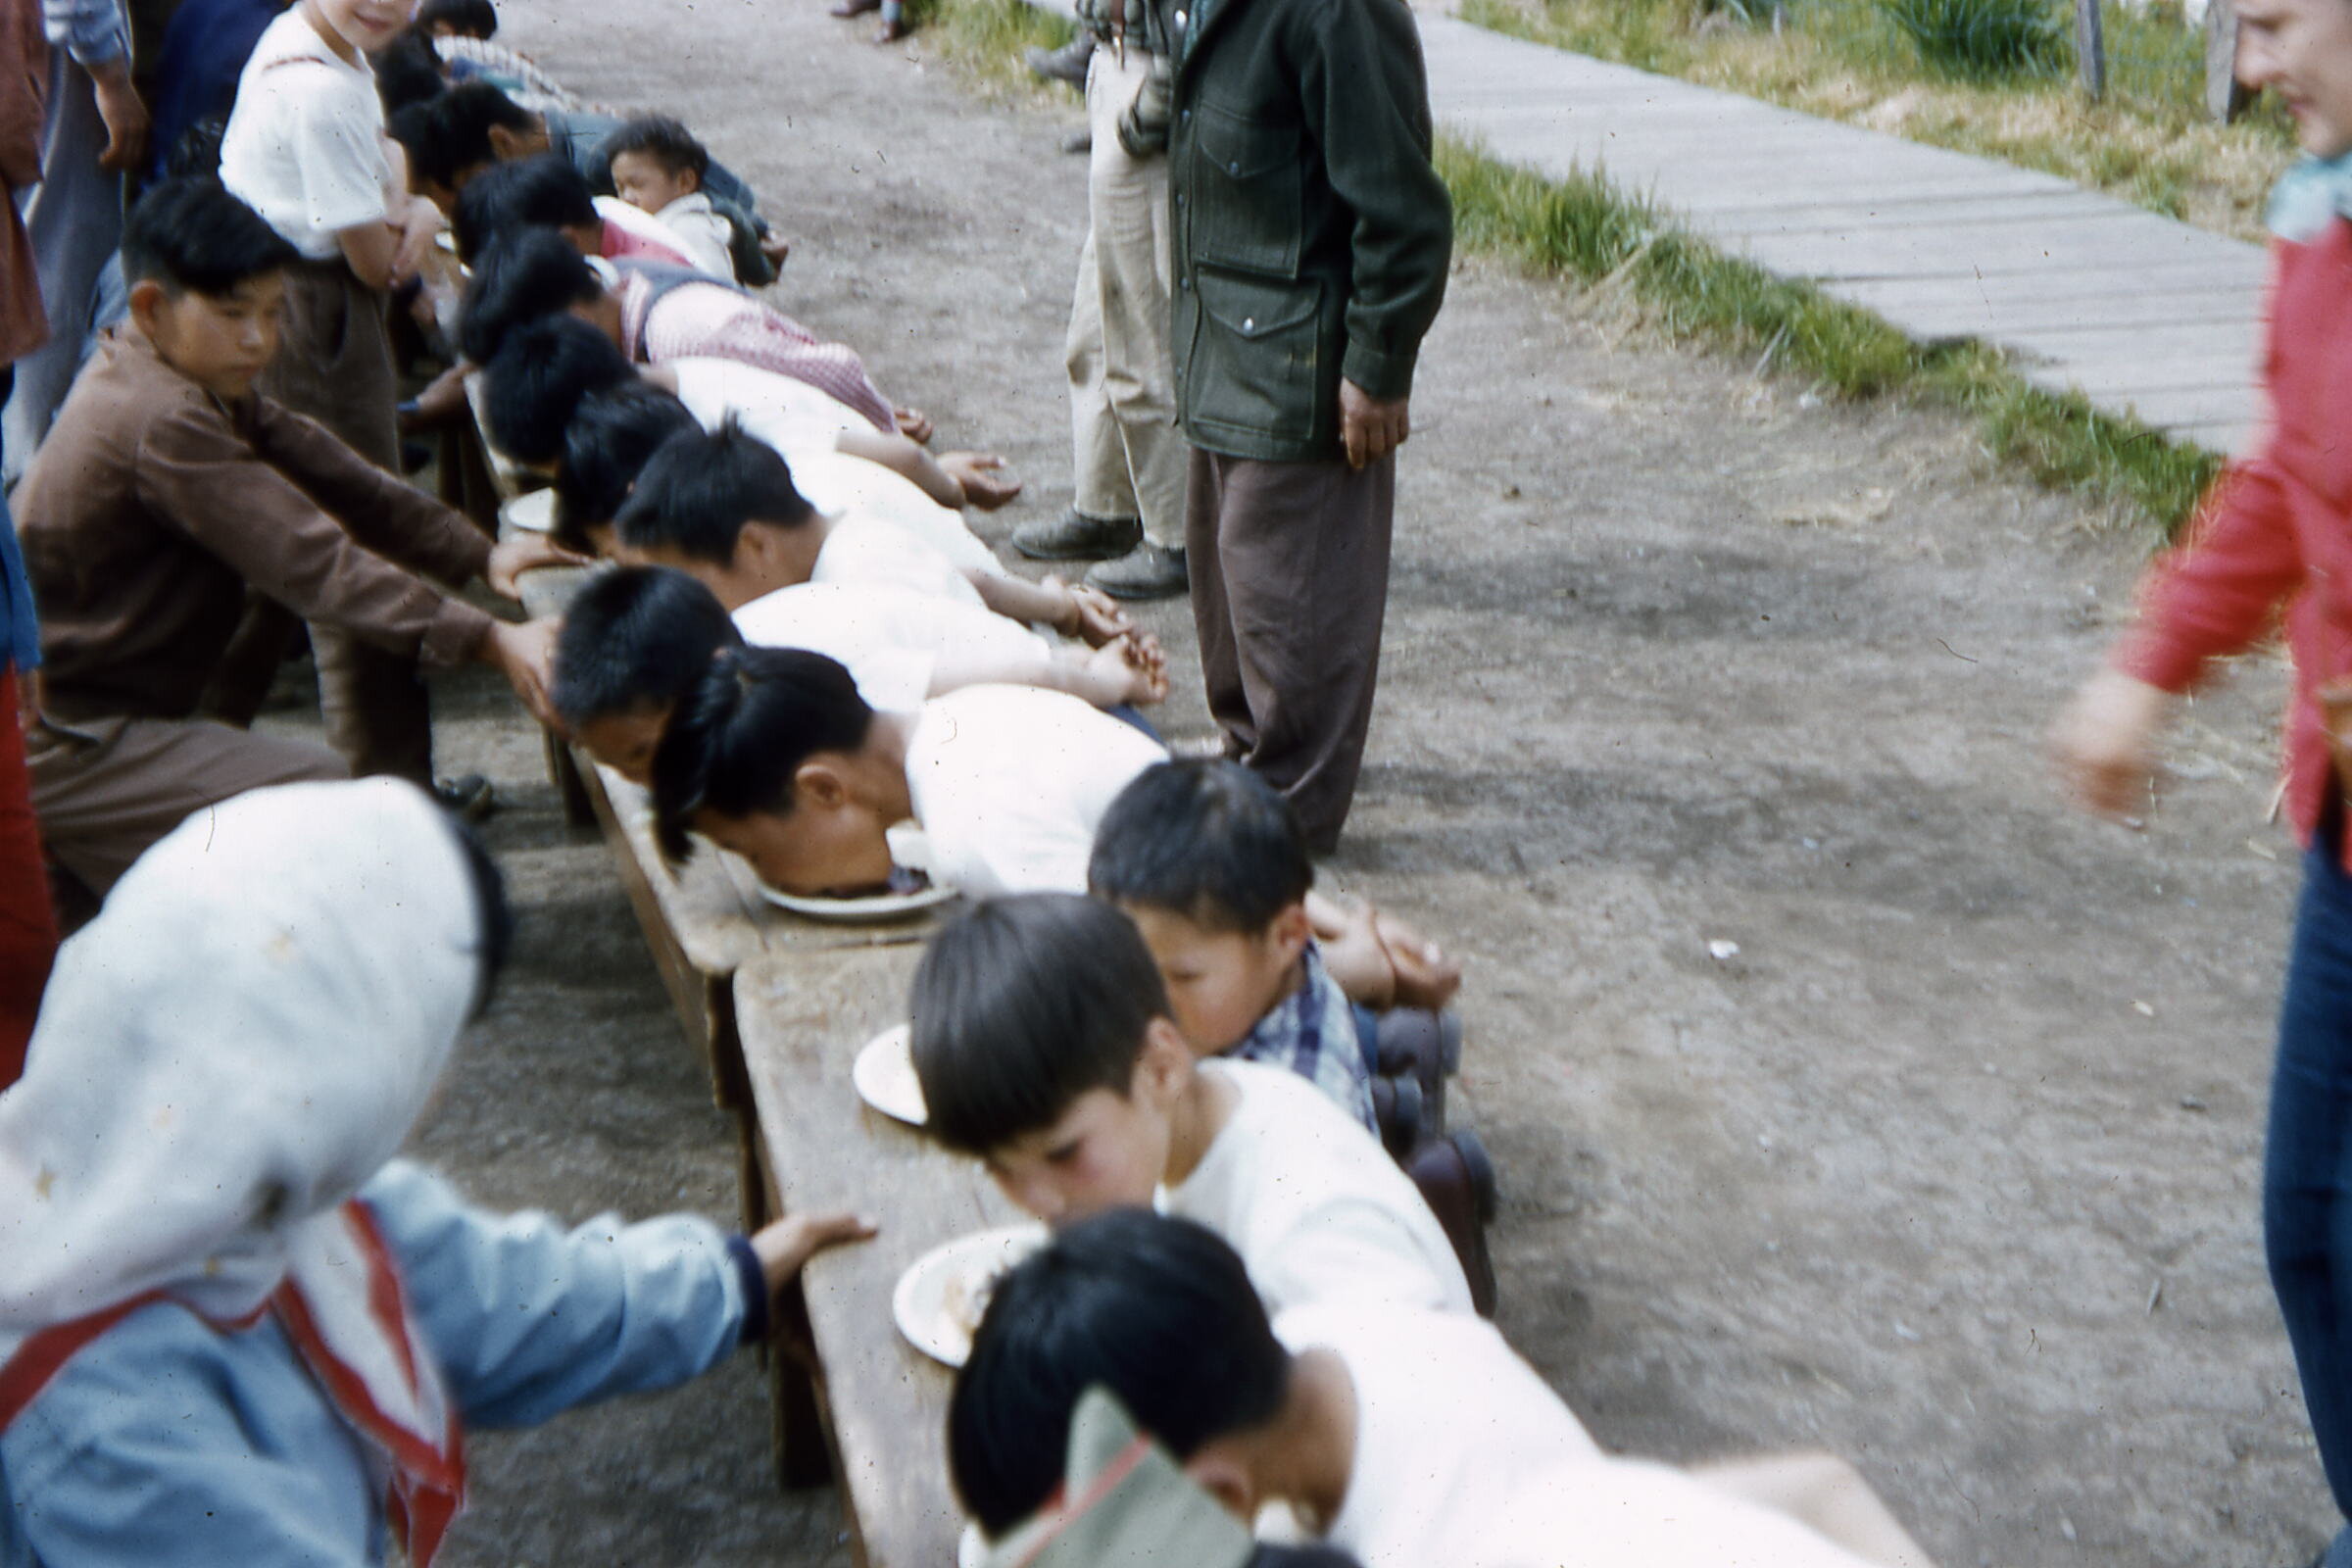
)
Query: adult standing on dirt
[
  {"x": 2277, "y": 530},
  {"x": 1128, "y": 504},
  {"x": 1310, "y": 246}
]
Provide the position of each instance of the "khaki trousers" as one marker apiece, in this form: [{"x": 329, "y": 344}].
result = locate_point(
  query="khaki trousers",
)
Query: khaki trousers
[
  {"x": 334, "y": 364},
  {"x": 106, "y": 790},
  {"x": 1129, "y": 456},
  {"x": 1290, "y": 581}
]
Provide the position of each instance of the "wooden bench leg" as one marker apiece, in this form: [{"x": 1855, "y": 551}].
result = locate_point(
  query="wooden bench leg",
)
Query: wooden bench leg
[
  {"x": 564, "y": 772},
  {"x": 804, "y": 1455}
]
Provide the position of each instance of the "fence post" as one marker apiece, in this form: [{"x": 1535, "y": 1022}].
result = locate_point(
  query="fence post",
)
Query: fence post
[
  {"x": 2225, "y": 98},
  {"x": 2091, "y": 49}
]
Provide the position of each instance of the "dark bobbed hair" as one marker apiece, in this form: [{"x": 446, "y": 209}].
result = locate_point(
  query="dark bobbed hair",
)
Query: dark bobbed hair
[
  {"x": 197, "y": 153},
  {"x": 476, "y": 19},
  {"x": 664, "y": 141},
  {"x": 538, "y": 380},
  {"x": 695, "y": 495},
  {"x": 733, "y": 746},
  {"x": 470, "y": 109},
  {"x": 192, "y": 234},
  {"x": 525, "y": 275},
  {"x": 633, "y": 638},
  {"x": 1023, "y": 1004},
  {"x": 1267, "y": 1555},
  {"x": 543, "y": 190},
  {"x": 605, "y": 446},
  {"x": 1204, "y": 839},
  {"x": 407, "y": 70},
  {"x": 423, "y": 134},
  {"x": 1160, "y": 1312}
]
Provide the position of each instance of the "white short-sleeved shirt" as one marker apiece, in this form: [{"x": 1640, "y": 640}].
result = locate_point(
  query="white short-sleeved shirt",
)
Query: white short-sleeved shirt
[
  {"x": 866, "y": 550},
  {"x": 891, "y": 640},
  {"x": 1315, "y": 1207},
  {"x": 1010, "y": 782},
  {"x": 304, "y": 145},
  {"x": 1465, "y": 1457},
  {"x": 1451, "y": 1429},
  {"x": 805, "y": 426}
]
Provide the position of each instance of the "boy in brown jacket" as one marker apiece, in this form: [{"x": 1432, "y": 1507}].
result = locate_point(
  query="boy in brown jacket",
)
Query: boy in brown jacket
[{"x": 165, "y": 488}]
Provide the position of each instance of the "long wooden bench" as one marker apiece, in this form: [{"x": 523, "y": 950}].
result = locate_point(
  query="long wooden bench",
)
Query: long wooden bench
[{"x": 883, "y": 1403}]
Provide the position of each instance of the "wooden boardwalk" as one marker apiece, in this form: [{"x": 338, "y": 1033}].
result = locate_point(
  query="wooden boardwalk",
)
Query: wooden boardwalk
[{"x": 2138, "y": 313}]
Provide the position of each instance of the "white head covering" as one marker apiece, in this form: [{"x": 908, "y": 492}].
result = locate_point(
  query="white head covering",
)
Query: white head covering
[{"x": 240, "y": 1040}]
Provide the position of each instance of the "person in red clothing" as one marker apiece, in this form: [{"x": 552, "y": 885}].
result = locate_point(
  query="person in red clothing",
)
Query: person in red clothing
[
  {"x": 2277, "y": 531},
  {"x": 27, "y": 929}
]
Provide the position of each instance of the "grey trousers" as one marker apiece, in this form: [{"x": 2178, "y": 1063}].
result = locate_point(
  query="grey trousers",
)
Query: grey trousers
[
  {"x": 1130, "y": 456},
  {"x": 1289, "y": 580}
]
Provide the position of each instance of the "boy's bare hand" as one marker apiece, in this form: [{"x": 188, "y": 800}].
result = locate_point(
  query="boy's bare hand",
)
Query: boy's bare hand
[
  {"x": 1089, "y": 614},
  {"x": 914, "y": 424},
  {"x": 987, "y": 485},
  {"x": 1371, "y": 427},
  {"x": 1126, "y": 669},
  {"x": 526, "y": 656},
  {"x": 2104, "y": 743},
  {"x": 419, "y": 224},
  {"x": 509, "y": 560},
  {"x": 124, "y": 117},
  {"x": 786, "y": 1245}
]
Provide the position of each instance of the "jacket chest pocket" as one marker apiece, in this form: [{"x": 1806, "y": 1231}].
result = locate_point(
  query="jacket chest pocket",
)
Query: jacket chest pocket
[{"x": 1246, "y": 196}]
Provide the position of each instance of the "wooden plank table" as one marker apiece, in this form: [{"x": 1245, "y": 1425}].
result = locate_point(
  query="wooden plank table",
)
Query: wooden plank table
[{"x": 803, "y": 1017}]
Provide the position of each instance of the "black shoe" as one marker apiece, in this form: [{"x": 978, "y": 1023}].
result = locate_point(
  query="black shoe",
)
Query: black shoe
[
  {"x": 1457, "y": 1181},
  {"x": 1065, "y": 63},
  {"x": 1075, "y": 536},
  {"x": 1146, "y": 571},
  {"x": 1426, "y": 1047},
  {"x": 1078, "y": 141},
  {"x": 1397, "y": 1108},
  {"x": 468, "y": 796}
]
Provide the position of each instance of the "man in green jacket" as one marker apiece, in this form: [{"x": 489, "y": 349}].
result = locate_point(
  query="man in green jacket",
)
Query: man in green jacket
[{"x": 1311, "y": 237}]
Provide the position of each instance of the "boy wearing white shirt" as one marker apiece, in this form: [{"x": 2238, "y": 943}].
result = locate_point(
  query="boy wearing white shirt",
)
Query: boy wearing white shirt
[
  {"x": 305, "y": 149},
  {"x": 725, "y": 506},
  {"x": 637, "y": 639},
  {"x": 778, "y": 760},
  {"x": 1045, "y": 1045},
  {"x": 1404, "y": 1438}
]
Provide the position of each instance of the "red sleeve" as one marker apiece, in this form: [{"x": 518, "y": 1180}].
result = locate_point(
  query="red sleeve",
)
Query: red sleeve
[{"x": 2221, "y": 591}]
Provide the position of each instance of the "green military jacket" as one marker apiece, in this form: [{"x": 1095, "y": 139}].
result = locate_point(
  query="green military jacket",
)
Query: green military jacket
[{"x": 1311, "y": 232}]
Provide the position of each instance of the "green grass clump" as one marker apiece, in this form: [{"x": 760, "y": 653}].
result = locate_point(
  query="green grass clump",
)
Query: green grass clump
[
  {"x": 988, "y": 38},
  {"x": 1583, "y": 229},
  {"x": 1980, "y": 40}
]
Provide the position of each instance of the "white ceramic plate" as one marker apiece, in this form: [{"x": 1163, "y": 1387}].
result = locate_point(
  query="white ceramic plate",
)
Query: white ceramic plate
[
  {"x": 534, "y": 513},
  {"x": 908, "y": 848},
  {"x": 940, "y": 1297},
  {"x": 884, "y": 1073}
]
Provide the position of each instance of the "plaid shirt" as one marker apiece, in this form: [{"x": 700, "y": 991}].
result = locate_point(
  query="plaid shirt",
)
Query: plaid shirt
[
  {"x": 721, "y": 321},
  {"x": 1311, "y": 1032}
]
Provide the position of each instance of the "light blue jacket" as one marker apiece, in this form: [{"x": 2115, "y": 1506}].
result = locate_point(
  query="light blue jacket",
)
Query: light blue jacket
[
  {"x": 92, "y": 31},
  {"x": 165, "y": 1442}
]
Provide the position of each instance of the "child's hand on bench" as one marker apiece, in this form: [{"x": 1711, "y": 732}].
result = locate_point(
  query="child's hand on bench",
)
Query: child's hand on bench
[{"x": 786, "y": 1245}]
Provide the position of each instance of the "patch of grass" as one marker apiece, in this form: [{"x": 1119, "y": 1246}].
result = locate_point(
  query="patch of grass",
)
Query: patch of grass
[
  {"x": 1980, "y": 40},
  {"x": 987, "y": 39},
  {"x": 1586, "y": 230},
  {"x": 2148, "y": 142}
]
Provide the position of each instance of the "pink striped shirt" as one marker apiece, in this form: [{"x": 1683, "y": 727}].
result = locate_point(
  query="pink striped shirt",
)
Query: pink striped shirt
[{"x": 698, "y": 320}]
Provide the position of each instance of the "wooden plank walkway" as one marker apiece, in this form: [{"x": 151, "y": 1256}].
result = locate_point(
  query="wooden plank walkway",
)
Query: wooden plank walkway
[{"x": 2140, "y": 314}]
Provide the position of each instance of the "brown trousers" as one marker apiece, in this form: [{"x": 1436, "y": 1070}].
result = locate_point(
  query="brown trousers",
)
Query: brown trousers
[
  {"x": 106, "y": 790},
  {"x": 1289, "y": 573},
  {"x": 334, "y": 364}
]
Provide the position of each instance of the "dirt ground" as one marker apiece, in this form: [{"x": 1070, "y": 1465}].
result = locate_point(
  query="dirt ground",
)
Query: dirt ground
[{"x": 1951, "y": 1167}]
